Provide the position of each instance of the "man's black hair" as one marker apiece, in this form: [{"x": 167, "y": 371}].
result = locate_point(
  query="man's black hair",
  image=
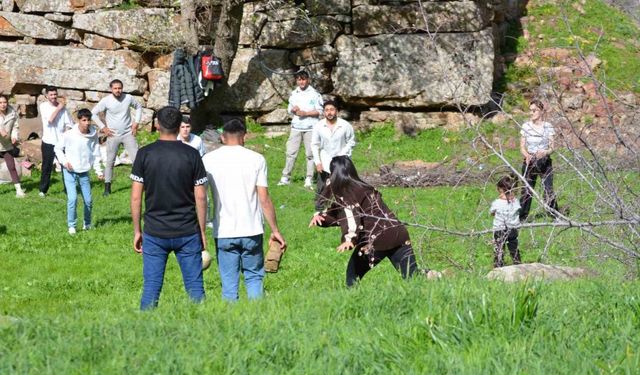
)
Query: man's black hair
[
  {"x": 169, "y": 119},
  {"x": 116, "y": 81},
  {"x": 48, "y": 89},
  {"x": 234, "y": 126},
  {"x": 330, "y": 102},
  {"x": 301, "y": 74},
  {"x": 84, "y": 113}
]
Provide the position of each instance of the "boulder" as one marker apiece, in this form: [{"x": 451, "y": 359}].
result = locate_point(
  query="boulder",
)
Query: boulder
[
  {"x": 314, "y": 55},
  {"x": 19, "y": 24},
  {"x": 320, "y": 77},
  {"x": 6, "y": 5},
  {"x": 94, "y": 41},
  {"x": 24, "y": 99},
  {"x": 144, "y": 27},
  {"x": 254, "y": 88},
  {"x": 328, "y": 7},
  {"x": 68, "y": 67},
  {"x": 442, "y": 17},
  {"x": 32, "y": 150},
  {"x": 95, "y": 96},
  {"x": 299, "y": 33},
  {"x": 158, "y": 88},
  {"x": 64, "y": 6},
  {"x": 420, "y": 120},
  {"x": 70, "y": 94},
  {"x": 57, "y": 17},
  {"x": 415, "y": 70},
  {"x": 252, "y": 23},
  {"x": 163, "y": 62},
  {"x": 277, "y": 116},
  {"x": 522, "y": 272},
  {"x": 29, "y": 126}
]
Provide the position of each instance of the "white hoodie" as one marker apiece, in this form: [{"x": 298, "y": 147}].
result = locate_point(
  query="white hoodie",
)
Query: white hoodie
[{"x": 80, "y": 150}]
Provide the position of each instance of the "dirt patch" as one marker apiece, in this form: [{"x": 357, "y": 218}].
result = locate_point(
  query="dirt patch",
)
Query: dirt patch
[{"x": 417, "y": 173}]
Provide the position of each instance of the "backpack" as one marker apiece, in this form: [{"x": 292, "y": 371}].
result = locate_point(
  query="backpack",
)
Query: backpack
[{"x": 211, "y": 67}]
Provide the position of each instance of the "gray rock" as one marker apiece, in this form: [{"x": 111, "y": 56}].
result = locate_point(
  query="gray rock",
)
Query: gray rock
[
  {"x": 72, "y": 34},
  {"x": 19, "y": 24},
  {"x": 415, "y": 70},
  {"x": 320, "y": 77},
  {"x": 64, "y": 6},
  {"x": 71, "y": 94},
  {"x": 24, "y": 99},
  {"x": 277, "y": 116},
  {"x": 324, "y": 7},
  {"x": 314, "y": 55},
  {"x": 252, "y": 24},
  {"x": 68, "y": 67},
  {"x": 253, "y": 87},
  {"x": 300, "y": 33},
  {"x": 57, "y": 17},
  {"x": 419, "y": 120},
  {"x": 7, "y": 5},
  {"x": 144, "y": 27},
  {"x": 94, "y": 41},
  {"x": 526, "y": 271},
  {"x": 94, "y": 96},
  {"x": 158, "y": 88},
  {"x": 448, "y": 16}
]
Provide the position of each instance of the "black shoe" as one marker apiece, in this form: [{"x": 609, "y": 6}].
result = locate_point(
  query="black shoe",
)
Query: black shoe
[{"x": 107, "y": 189}]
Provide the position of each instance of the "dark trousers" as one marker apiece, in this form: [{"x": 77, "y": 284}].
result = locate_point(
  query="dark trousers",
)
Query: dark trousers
[
  {"x": 401, "y": 257},
  {"x": 510, "y": 237},
  {"x": 48, "y": 155},
  {"x": 543, "y": 168},
  {"x": 320, "y": 184},
  {"x": 11, "y": 164}
]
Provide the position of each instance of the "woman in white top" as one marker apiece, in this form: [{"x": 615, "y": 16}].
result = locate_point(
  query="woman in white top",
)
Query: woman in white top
[
  {"x": 9, "y": 141},
  {"x": 536, "y": 145}
]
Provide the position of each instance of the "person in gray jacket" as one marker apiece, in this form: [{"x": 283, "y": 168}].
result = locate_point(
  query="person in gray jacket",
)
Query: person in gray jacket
[{"x": 119, "y": 128}]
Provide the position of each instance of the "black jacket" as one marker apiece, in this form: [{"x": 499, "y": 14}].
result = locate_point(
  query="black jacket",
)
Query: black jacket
[{"x": 183, "y": 87}]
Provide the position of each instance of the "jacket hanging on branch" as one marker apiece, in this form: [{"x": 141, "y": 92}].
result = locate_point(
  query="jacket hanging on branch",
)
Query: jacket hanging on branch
[{"x": 183, "y": 86}]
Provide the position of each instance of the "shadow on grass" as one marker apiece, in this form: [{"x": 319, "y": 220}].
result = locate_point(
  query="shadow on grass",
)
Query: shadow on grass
[
  {"x": 112, "y": 220},
  {"x": 3, "y": 229}
]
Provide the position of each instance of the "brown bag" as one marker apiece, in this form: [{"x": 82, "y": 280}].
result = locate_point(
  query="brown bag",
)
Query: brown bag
[{"x": 273, "y": 258}]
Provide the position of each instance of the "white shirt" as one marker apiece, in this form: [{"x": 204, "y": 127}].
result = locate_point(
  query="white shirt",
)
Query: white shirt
[
  {"x": 307, "y": 100},
  {"x": 537, "y": 139},
  {"x": 506, "y": 213},
  {"x": 81, "y": 150},
  {"x": 118, "y": 116},
  {"x": 195, "y": 142},
  {"x": 326, "y": 143},
  {"x": 52, "y": 131},
  {"x": 234, "y": 172}
]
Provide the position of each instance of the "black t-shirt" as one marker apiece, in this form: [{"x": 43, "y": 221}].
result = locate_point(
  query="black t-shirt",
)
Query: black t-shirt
[{"x": 169, "y": 170}]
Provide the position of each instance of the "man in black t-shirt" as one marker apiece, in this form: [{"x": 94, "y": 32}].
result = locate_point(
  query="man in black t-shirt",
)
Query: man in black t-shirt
[{"x": 173, "y": 179}]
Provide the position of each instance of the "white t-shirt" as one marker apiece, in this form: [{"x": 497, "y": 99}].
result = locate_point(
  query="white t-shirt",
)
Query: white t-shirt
[
  {"x": 307, "y": 100},
  {"x": 234, "y": 172},
  {"x": 195, "y": 142},
  {"x": 537, "y": 139},
  {"x": 52, "y": 132},
  {"x": 506, "y": 213}
]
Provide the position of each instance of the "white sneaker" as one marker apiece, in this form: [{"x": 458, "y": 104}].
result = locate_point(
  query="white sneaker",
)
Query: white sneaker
[
  {"x": 20, "y": 194},
  {"x": 72, "y": 231},
  {"x": 284, "y": 181},
  {"x": 308, "y": 184},
  {"x": 86, "y": 227},
  {"x": 41, "y": 194}
]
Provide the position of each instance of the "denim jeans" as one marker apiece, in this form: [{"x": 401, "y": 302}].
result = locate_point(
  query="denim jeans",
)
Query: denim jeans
[
  {"x": 240, "y": 253},
  {"x": 155, "y": 251},
  {"x": 70, "y": 179}
]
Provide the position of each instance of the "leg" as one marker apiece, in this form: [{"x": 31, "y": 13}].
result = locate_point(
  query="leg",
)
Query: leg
[
  {"x": 253, "y": 266},
  {"x": 113, "y": 142},
  {"x": 130, "y": 144},
  {"x": 525, "y": 200},
  {"x": 547, "y": 183},
  {"x": 11, "y": 166},
  {"x": 85, "y": 189},
  {"x": 293, "y": 146},
  {"x": 499, "y": 238},
  {"x": 404, "y": 260},
  {"x": 154, "y": 261},
  {"x": 358, "y": 266},
  {"x": 189, "y": 255},
  {"x": 306, "y": 139},
  {"x": 228, "y": 254},
  {"x": 48, "y": 155},
  {"x": 512, "y": 244},
  {"x": 322, "y": 181},
  {"x": 72, "y": 197}
]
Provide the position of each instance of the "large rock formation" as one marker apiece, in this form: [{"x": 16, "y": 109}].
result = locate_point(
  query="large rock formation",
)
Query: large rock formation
[
  {"x": 64, "y": 6},
  {"x": 18, "y": 24}
]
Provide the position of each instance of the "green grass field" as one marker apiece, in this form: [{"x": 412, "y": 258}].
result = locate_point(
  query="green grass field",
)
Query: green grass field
[{"x": 70, "y": 304}]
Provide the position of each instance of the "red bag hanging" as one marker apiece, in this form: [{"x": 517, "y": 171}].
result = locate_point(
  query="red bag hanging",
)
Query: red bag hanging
[{"x": 211, "y": 68}]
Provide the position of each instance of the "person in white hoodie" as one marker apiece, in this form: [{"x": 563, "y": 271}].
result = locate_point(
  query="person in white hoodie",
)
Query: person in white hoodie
[
  {"x": 305, "y": 104},
  {"x": 78, "y": 151}
]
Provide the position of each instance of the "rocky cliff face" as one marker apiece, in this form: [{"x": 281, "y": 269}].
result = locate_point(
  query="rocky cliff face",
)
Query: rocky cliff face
[{"x": 371, "y": 54}]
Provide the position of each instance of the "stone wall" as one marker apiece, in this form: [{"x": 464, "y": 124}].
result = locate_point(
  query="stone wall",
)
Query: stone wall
[{"x": 373, "y": 55}]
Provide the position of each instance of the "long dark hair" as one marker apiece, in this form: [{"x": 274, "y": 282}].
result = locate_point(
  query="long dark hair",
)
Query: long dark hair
[{"x": 344, "y": 176}]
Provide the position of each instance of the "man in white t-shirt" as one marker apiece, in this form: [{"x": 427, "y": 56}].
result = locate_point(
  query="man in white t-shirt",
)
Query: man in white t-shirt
[
  {"x": 238, "y": 180},
  {"x": 55, "y": 120}
]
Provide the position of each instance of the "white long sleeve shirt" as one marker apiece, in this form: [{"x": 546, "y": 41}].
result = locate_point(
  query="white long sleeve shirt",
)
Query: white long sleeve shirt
[
  {"x": 307, "y": 100},
  {"x": 117, "y": 113},
  {"x": 326, "y": 142},
  {"x": 80, "y": 150},
  {"x": 52, "y": 131}
]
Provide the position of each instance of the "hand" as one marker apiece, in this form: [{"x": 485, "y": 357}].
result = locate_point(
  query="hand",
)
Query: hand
[
  {"x": 14, "y": 140},
  {"x": 527, "y": 159},
  {"x": 346, "y": 245},
  {"x": 108, "y": 132},
  {"x": 137, "y": 242},
  {"x": 203, "y": 238},
  {"x": 277, "y": 237},
  {"x": 68, "y": 166},
  {"x": 540, "y": 154},
  {"x": 101, "y": 177},
  {"x": 134, "y": 129},
  {"x": 3, "y": 133},
  {"x": 316, "y": 220},
  {"x": 295, "y": 109},
  {"x": 319, "y": 167},
  {"x": 61, "y": 102}
]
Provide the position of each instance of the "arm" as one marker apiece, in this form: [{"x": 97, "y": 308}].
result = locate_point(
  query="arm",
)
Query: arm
[
  {"x": 552, "y": 145},
  {"x": 270, "y": 216},
  {"x": 15, "y": 131},
  {"x": 54, "y": 114},
  {"x": 315, "y": 147},
  {"x": 523, "y": 149},
  {"x": 99, "y": 108},
  {"x": 200, "y": 192},
  {"x": 138, "y": 116},
  {"x": 350, "y": 137},
  {"x": 97, "y": 167},
  {"x": 136, "y": 208},
  {"x": 58, "y": 149}
]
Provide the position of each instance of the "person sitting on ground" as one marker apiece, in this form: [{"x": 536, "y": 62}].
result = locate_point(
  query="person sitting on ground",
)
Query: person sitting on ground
[
  {"x": 369, "y": 228},
  {"x": 537, "y": 145},
  {"x": 9, "y": 138},
  {"x": 78, "y": 151},
  {"x": 505, "y": 211}
]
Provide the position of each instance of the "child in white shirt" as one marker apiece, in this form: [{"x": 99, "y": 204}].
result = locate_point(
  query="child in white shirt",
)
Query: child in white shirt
[{"x": 505, "y": 211}]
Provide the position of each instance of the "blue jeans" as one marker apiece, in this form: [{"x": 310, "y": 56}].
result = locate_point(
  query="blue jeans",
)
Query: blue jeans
[
  {"x": 240, "y": 253},
  {"x": 155, "y": 251},
  {"x": 70, "y": 179}
]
